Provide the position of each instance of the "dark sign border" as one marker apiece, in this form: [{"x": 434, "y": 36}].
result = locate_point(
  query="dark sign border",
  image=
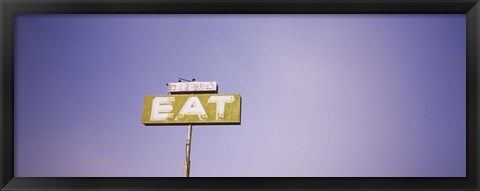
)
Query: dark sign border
[{"x": 8, "y": 9}]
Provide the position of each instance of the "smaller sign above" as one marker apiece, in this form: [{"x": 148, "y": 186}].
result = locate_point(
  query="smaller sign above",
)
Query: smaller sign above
[{"x": 184, "y": 87}]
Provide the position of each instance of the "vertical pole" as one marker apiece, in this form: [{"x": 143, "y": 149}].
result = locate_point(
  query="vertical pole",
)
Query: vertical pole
[{"x": 186, "y": 167}]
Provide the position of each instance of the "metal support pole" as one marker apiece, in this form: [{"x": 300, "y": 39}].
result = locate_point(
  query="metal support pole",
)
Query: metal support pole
[{"x": 186, "y": 167}]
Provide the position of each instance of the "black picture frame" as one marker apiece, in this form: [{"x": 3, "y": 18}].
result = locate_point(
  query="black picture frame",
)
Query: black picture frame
[{"x": 9, "y": 8}]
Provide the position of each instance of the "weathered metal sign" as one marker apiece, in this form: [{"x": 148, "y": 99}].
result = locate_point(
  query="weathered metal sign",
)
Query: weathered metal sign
[
  {"x": 177, "y": 87},
  {"x": 192, "y": 109}
]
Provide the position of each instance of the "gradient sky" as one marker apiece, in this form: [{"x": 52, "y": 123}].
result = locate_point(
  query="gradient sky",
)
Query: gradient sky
[{"x": 323, "y": 95}]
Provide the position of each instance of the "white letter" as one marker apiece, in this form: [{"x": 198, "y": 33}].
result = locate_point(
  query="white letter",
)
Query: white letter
[
  {"x": 161, "y": 108},
  {"x": 192, "y": 107},
  {"x": 221, "y": 100}
]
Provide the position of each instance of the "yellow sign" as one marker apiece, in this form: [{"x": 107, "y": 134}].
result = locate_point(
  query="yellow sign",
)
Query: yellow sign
[{"x": 192, "y": 109}]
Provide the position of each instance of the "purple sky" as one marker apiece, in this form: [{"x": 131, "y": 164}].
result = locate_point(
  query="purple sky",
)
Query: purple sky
[{"x": 323, "y": 95}]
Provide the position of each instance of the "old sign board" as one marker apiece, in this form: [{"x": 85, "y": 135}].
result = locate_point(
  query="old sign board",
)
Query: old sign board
[{"x": 191, "y": 109}]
